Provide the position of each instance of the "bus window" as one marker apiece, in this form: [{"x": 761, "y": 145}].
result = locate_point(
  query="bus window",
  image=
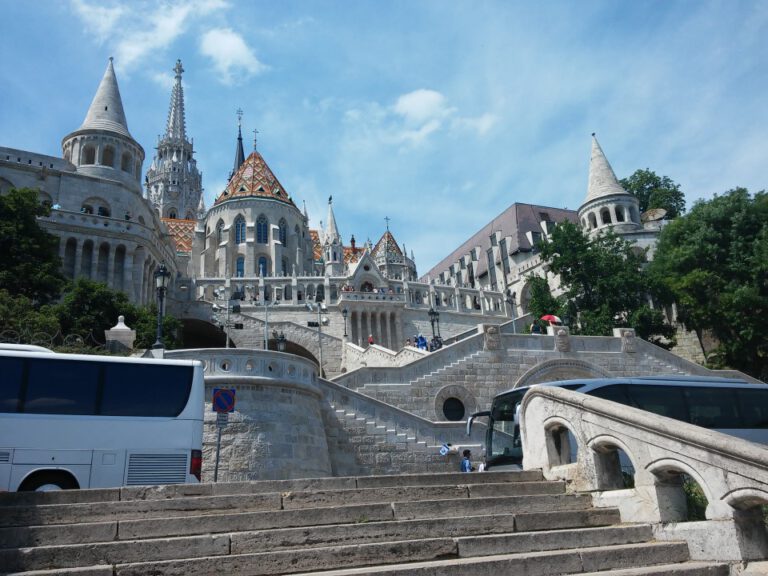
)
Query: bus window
[
  {"x": 145, "y": 390},
  {"x": 663, "y": 400},
  {"x": 753, "y": 406},
  {"x": 712, "y": 407},
  {"x": 10, "y": 384},
  {"x": 61, "y": 387},
  {"x": 614, "y": 392}
]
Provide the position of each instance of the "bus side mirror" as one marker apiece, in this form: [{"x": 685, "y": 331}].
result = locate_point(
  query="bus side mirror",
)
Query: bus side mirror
[
  {"x": 472, "y": 418},
  {"x": 517, "y": 415}
]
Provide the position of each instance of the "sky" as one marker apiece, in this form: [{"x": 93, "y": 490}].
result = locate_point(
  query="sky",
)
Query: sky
[{"x": 436, "y": 114}]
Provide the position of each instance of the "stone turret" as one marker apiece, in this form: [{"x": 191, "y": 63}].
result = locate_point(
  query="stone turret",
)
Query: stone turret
[
  {"x": 173, "y": 182},
  {"x": 607, "y": 204},
  {"x": 333, "y": 250},
  {"x": 102, "y": 146}
]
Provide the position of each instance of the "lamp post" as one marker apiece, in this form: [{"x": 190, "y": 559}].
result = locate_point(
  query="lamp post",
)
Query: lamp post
[
  {"x": 162, "y": 275},
  {"x": 511, "y": 301},
  {"x": 280, "y": 339},
  {"x": 345, "y": 313},
  {"x": 319, "y": 334},
  {"x": 434, "y": 316}
]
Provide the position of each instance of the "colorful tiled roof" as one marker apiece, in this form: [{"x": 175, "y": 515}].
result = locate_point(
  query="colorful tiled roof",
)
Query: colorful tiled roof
[
  {"x": 352, "y": 255},
  {"x": 388, "y": 242},
  {"x": 254, "y": 179},
  {"x": 182, "y": 232},
  {"x": 317, "y": 249}
]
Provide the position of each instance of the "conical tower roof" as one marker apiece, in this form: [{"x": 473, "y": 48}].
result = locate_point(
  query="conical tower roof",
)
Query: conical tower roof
[
  {"x": 254, "y": 179},
  {"x": 387, "y": 245},
  {"x": 331, "y": 230},
  {"x": 176, "y": 127},
  {"x": 602, "y": 180},
  {"x": 106, "y": 111}
]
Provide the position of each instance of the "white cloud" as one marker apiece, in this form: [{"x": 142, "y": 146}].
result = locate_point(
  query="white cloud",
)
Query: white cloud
[
  {"x": 230, "y": 54},
  {"x": 101, "y": 20},
  {"x": 422, "y": 107},
  {"x": 480, "y": 124}
]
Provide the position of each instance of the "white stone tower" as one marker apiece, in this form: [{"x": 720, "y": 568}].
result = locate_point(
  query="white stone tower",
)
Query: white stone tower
[
  {"x": 173, "y": 182},
  {"x": 102, "y": 146},
  {"x": 607, "y": 205}
]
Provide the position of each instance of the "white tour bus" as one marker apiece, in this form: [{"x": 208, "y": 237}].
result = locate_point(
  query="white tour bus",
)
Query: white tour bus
[
  {"x": 728, "y": 405},
  {"x": 77, "y": 421}
]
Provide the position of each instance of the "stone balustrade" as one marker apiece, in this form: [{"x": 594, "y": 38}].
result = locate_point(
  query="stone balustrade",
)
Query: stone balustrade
[{"x": 731, "y": 472}]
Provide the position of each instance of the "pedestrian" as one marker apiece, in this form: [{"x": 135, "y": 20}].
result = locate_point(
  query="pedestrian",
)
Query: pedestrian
[
  {"x": 370, "y": 339},
  {"x": 466, "y": 463}
]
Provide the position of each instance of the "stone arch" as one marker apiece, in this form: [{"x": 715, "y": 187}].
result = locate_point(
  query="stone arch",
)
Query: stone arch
[
  {"x": 668, "y": 472},
  {"x": 746, "y": 498},
  {"x": 560, "y": 369},
  {"x": 102, "y": 265},
  {"x": 610, "y": 470},
  {"x": 126, "y": 162},
  {"x": 108, "y": 156},
  {"x": 70, "y": 257},
  {"x": 86, "y": 260},
  {"x": 605, "y": 216},
  {"x": 561, "y": 443},
  {"x": 96, "y": 205},
  {"x": 457, "y": 392},
  {"x": 592, "y": 221},
  {"x": 118, "y": 275},
  {"x": 88, "y": 154}
]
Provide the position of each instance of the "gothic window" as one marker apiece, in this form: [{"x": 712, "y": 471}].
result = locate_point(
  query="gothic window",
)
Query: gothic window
[
  {"x": 240, "y": 267},
  {"x": 89, "y": 154},
  {"x": 172, "y": 214},
  {"x": 283, "y": 227},
  {"x": 262, "y": 266},
  {"x": 219, "y": 232},
  {"x": 125, "y": 163},
  {"x": 239, "y": 230},
  {"x": 262, "y": 230},
  {"x": 108, "y": 157}
]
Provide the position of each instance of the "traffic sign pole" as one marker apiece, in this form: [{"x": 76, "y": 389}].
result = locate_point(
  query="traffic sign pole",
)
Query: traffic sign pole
[{"x": 223, "y": 402}]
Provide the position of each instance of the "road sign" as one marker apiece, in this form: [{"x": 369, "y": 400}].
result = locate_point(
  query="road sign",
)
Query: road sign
[
  {"x": 222, "y": 419},
  {"x": 223, "y": 400}
]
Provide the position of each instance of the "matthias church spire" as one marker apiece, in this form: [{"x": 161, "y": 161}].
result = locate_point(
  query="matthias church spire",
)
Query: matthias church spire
[
  {"x": 239, "y": 153},
  {"x": 173, "y": 182}
]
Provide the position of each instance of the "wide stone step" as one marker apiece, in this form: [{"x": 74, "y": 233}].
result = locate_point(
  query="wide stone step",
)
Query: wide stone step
[
  {"x": 318, "y": 518},
  {"x": 302, "y": 541},
  {"x": 137, "y": 509},
  {"x": 438, "y": 556}
]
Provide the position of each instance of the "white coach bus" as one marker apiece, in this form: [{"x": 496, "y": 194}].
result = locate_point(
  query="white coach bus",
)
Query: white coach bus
[{"x": 77, "y": 421}]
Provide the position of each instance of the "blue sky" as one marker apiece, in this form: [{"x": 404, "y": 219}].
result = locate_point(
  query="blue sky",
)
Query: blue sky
[{"x": 436, "y": 114}]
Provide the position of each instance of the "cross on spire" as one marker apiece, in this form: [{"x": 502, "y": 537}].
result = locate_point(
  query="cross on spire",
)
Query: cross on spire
[
  {"x": 239, "y": 117},
  {"x": 255, "y": 138},
  {"x": 387, "y": 219}
]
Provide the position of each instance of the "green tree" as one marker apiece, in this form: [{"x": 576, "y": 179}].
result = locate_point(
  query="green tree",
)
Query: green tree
[
  {"x": 603, "y": 282},
  {"x": 88, "y": 308},
  {"x": 145, "y": 323},
  {"x": 542, "y": 302},
  {"x": 29, "y": 262},
  {"x": 653, "y": 191},
  {"x": 21, "y": 320},
  {"x": 713, "y": 263}
]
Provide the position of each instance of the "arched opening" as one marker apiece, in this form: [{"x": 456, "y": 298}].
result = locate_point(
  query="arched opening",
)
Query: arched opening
[
  {"x": 562, "y": 447},
  {"x": 592, "y": 221},
  {"x": 108, "y": 156},
  {"x": 88, "y": 155},
  {"x": 619, "y": 214},
  {"x": 605, "y": 216},
  {"x": 453, "y": 409},
  {"x": 86, "y": 261},
  {"x": 614, "y": 468},
  {"x": 201, "y": 334},
  {"x": 70, "y": 251},
  {"x": 103, "y": 262},
  {"x": 119, "y": 273},
  {"x": 126, "y": 162}
]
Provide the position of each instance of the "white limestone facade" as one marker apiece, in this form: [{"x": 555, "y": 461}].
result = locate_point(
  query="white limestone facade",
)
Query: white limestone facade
[{"x": 107, "y": 232}]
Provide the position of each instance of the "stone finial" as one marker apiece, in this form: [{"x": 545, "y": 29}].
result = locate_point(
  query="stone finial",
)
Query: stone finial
[
  {"x": 120, "y": 338},
  {"x": 562, "y": 339},
  {"x": 627, "y": 336},
  {"x": 492, "y": 339}
]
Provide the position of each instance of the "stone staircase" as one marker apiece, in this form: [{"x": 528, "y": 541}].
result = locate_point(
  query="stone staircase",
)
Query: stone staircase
[{"x": 427, "y": 524}]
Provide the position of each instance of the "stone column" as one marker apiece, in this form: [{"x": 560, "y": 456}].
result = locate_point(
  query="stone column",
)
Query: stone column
[{"x": 111, "y": 267}]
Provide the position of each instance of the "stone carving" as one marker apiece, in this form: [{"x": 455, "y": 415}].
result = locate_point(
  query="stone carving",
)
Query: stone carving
[
  {"x": 628, "y": 340},
  {"x": 562, "y": 339},
  {"x": 492, "y": 338}
]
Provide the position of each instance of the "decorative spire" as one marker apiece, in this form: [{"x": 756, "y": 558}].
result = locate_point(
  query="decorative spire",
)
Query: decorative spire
[
  {"x": 387, "y": 220},
  {"x": 602, "y": 179},
  {"x": 239, "y": 154},
  {"x": 106, "y": 111},
  {"x": 176, "y": 128},
  {"x": 331, "y": 230}
]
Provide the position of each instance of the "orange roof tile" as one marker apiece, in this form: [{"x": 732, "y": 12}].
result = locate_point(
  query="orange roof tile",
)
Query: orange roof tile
[
  {"x": 182, "y": 232},
  {"x": 254, "y": 178}
]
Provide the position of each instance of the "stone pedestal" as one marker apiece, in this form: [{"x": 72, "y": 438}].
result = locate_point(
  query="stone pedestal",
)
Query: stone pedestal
[{"x": 120, "y": 338}]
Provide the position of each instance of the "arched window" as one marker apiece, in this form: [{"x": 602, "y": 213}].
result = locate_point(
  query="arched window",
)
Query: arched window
[
  {"x": 220, "y": 232},
  {"x": 103, "y": 211},
  {"x": 619, "y": 214},
  {"x": 125, "y": 163},
  {"x": 262, "y": 266},
  {"x": 605, "y": 216},
  {"x": 262, "y": 230},
  {"x": 108, "y": 157},
  {"x": 283, "y": 226},
  {"x": 592, "y": 221},
  {"x": 89, "y": 154},
  {"x": 240, "y": 267},
  {"x": 239, "y": 230},
  {"x": 172, "y": 214}
]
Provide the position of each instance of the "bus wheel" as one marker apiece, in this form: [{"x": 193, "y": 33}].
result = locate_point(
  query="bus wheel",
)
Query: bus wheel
[{"x": 48, "y": 482}]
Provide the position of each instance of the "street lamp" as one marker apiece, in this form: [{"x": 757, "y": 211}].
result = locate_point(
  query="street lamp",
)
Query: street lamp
[
  {"x": 162, "y": 275},
  {"x": 344, "y": 313},
  {"x": 280, "y": 339},
  {"x": 434, "y": 316}
]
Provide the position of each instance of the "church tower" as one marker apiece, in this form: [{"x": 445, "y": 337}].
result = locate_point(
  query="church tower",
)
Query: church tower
[
  {"x": 173, "y": 182},
  {"x": 102, "y": 146},
  {"x": 607, "y": 205},
  {"x": 333, "y": 250}
]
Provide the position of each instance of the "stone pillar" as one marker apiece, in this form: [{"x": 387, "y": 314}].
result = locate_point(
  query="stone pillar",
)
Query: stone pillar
[
  {"x": 359, "y": 318},
  {"x": 111, "y": 267}
]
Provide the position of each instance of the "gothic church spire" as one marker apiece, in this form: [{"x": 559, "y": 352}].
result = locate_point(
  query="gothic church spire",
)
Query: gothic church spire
[
  {"x": 239, "y": 153},
  {"x": 176, "y": 127}
]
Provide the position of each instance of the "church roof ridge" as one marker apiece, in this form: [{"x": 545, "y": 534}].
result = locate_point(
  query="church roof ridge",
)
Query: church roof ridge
[
  {"x": 602, "y": 179},
  {"x": 254, "y": 178},
  {"x": 106, "y": 110}
]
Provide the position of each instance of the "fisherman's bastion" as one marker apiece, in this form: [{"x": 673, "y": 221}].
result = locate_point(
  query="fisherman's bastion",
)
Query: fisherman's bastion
[{"x": 286, "y": 314}]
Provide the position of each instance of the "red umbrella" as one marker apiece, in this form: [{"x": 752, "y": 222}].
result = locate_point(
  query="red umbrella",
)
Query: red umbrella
[{"x": 551, "y": 318}]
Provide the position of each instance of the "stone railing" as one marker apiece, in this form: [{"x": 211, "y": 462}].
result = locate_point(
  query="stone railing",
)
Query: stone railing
[
  {"x": 732, "y": 473},
  {"x": 370, "y": 297},
  {"x": 357, "y": 357}
]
